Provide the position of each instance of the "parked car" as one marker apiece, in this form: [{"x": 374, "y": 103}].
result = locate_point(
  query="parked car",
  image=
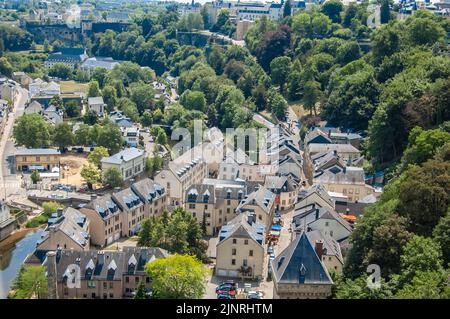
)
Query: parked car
[
  {"x": 225, "y": 296},
  {"x": 270, "y": 250},
  {"x": 254, "y": 295},
  {"x": 226, "y": 290}
]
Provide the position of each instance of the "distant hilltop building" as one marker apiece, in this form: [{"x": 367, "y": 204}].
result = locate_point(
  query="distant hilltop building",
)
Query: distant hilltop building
[{"x": 69, "y": 56}]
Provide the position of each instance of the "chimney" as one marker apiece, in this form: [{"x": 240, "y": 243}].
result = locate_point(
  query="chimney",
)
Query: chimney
[
  {"x": 93, "y": 196},
  {"x": 52, "y": 275},
  {"x": 317, "y": 213},
  {"x": 59, "y": 212},
  {"x": 319, "y": 248},
  {"x": 329, "y": 133},
  {"x": 347, "y": 211}
]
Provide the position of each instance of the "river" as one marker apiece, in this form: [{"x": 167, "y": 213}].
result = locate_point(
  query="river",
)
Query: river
[{"x": 12, "y": 257}]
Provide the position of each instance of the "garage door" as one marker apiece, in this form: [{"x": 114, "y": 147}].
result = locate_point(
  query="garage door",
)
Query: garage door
[{"x": 233, "y": 273}]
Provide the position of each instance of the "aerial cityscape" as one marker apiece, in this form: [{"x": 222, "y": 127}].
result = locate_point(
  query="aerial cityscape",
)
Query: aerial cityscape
[{"x": 224, "y": 149}]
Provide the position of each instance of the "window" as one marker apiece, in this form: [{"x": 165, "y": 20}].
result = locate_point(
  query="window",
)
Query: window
[
  {"x": 331, "y": 233},
  {"x": 250, "y": 253},
  {"x": 233, "y": 252},
  {"x": 111, "y": 295},
  {"x": 233, "y": 262},
  {"x": 327, "y": 224},
  {"x": 246, "y": 242},
  {"x": 127, "y": 279},
  {"x": 104, "y": 285},
  {"x": 91, "y": 284},
  {"x": 111, "y": 285},
  {"x": 136, "y": 279},
  {"x": 234, "y": 241}
]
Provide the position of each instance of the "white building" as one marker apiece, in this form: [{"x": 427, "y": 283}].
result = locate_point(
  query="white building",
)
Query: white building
[
  {"x": 130, "y": 162},
  {"x": 40, "y": 87},
  {"x": 96, "y": 104}
]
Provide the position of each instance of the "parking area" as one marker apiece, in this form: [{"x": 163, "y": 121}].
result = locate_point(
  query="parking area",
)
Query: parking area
[{"x": 265, "y": 287}]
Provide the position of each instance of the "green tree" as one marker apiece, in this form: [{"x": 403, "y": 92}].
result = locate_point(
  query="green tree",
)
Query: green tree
[
  {"x": 31, "y": 282},
  {"x": 279, "y": 70},
  {"x": 278, "y": 106},
  {"x": 385, "y": 13},
  {"x": 5, "y": 67},
  {"x": 63, "y": 136},
  {"x": 97, "y": 154},
  {"x": 333, "y": 9},
  {"x": 109, "y": 94},
  {"x": 82, "y": 135},
  {"x": 193, "y": 100},
  {"x": 140, "y": 291},
  {"x": 424, "y": 195},
  {"x": 441, "y": 234},
  {"x": 287, "y": 9},
  {"x": 61, "y": 70},
  {"x": 35, "y": 177},
  {"x": 142, "y": 95},
  {"x": 50, "y": 208},
  {"x": 113, "y": 177},
  {"x": 90, "y": 117},
  {"x": 419, "y": 254},
  {"x": 32, "y": 131},
  {"x": 426, "y": 285},
  {"x": 94, "y": 89},
  {"x": 146, "y": 119},
  {"x": 311, "y": 95},
  {"x": 177, "y": 277},
  {"x": 91, "y": 174},
  {"x": 358, "y": 289},
  {"x": 72, "y": 109},
  {"x": 110, "y": 137}
]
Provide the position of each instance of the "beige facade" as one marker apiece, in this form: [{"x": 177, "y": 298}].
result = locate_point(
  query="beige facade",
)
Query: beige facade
[
  {"x": 27, "y": 158},
  {"x": 130, "y": 162},
  {"x": 354, "y": 192},
  {"x": 240, "y": 251},
  {"x": 262, "y": 203},
  {"x": 121, "y": 214},
  {"x": 214, "y": 202}
]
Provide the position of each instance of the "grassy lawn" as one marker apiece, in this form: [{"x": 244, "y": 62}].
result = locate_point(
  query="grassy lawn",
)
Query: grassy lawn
[{"x": 72, "y": 86}]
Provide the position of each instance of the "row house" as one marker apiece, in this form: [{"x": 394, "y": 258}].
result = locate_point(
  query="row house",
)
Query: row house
[
  {"x": 261, "y": 202},
  {"x": 120, "y": 214},
  {"x": 285, "y": 190},
  {"x": 102, "y": 274},
  {"x": 214, "y": 202}
]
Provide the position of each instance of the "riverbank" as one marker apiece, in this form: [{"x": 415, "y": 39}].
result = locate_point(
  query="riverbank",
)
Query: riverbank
[
  {"x": 16, "y": 236},
  {"x": 13, "y": 255}
]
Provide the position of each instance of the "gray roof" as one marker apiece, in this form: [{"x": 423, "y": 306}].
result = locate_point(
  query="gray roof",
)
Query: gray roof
[
  {"x": 314, "y": 148},
  {"x": 311, "y": 135},
  {"x": 331, "y": 246},
  {"x": 107, "y": 265},
  {"x": 338, "y": 175},
  {"x": 243, "y": 226},
  {"x": 125, "y": 155},
  {"x": 104, "y": 206},
  {"x": 37, "y": 151},
  {"x": 299, "y": 264},
  {"x": 74, "y": 224},
  {"x": 261, "y": 197},
  {"x": 148, "y": 190},
  {"x": 127, "y": 199},
  {"x": 95, "y": 100},
  {"x": 320, "y": 190},
  {"x": 311, "y": 215}
]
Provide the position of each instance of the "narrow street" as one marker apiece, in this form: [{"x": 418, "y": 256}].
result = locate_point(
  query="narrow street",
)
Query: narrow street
[{"x": 10, "y": 184}]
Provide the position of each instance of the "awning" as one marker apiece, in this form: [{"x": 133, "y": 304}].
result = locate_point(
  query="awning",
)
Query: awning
[
  {"x": 36, "y": 167},
  {"x": 276, "y": 227}
]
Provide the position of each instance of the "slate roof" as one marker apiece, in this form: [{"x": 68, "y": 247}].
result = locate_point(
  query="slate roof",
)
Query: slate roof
[
  {"x": 320, "y": 190},
  {"x": 127, "y": 199},
  {"x": 106, "y": 265},
  {"x": 104, "y": 206},
  {"x": 315, "y": 213},
  {"x": 74, "y": 224},
  {"x": 243, "y": 226},
  {"x": 261, "y": 197},
  {"x": 36, "y": 151},
  {"x": 331, "y": 247},
  {"x": 337, "y": 175},
  {"x": 125, "y": 155},
  {"x": 148, "y": 190},
  {"x": 95, "y": 100},
  {"x": 316, "y": 133},
  {"x": 315, "y": 148},
  {"x": 299, "y": 264}
]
